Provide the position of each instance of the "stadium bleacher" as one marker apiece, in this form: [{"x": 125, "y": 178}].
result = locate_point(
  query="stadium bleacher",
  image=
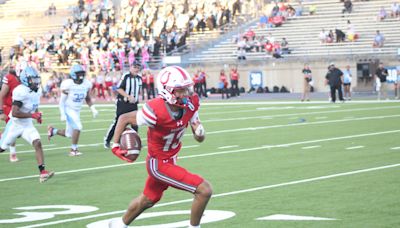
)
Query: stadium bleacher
[{"x": 302, "y": 33}]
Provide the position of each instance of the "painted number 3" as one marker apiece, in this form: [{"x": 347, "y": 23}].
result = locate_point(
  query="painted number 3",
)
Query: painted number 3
[{"x": 173, "y": 140}]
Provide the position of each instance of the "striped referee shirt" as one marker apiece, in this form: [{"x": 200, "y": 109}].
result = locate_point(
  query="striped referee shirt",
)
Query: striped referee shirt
[{"x": 131, "y": 85}]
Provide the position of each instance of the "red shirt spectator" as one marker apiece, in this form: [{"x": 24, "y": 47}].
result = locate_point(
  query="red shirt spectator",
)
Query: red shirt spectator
[
  {"x": 269, "y": 47},
  {"x": 234, "y": 75},
  {"x": 250, "y": 34},
  {"x": 223, "y": 79}
]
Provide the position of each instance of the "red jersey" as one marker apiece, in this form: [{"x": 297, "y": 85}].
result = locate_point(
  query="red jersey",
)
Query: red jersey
[
  {"x": 234, "y": 75},
  {"x": 144, "y": 79},
  {"x": 165, "y": 132},
  {"x": 12, "y": 82},
  {"x": 151, "y": 78}
]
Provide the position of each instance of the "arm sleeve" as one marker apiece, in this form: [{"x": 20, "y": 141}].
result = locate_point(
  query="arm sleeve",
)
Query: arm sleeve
[
  {"x": 61, "y": 105},
  {"x": 195, "y": 118},
  {"x": 18, "y": 95},
  {"x": 146, "y": 116}
]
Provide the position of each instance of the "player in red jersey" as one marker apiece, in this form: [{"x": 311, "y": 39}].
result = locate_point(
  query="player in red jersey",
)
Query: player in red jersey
[
  {"x": 10, "y": 81},
  {"x": 167, "y": 117}
]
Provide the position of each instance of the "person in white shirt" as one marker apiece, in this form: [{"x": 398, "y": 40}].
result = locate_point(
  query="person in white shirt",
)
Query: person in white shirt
[
  {"x": 74, "y": 91},
  {"x": 347, "y": 83},
  {"x": 26, "y": 99}
]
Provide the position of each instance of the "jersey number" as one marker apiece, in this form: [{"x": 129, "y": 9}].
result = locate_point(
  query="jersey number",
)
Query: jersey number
[
  {"x": 78, "y": 97},
  {"x": 173, "y": 140}
]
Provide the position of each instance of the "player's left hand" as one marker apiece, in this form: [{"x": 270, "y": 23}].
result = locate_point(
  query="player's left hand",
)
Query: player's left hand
[
  {"x": 120, "y": 153},
  {"x": 94, "y": 111},
  {"x": 37, "y": 116}
]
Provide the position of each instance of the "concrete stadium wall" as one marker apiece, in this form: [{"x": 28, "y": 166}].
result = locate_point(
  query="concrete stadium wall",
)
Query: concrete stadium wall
[{"x": 279, "y": 73}]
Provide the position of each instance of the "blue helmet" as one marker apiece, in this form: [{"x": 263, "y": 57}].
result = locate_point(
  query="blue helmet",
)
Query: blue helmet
[
  {"x": 77, "y": 73},
  {"x": 30, "y": 78}
]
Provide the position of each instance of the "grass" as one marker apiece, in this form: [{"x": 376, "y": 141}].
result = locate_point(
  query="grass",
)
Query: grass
[{"x": 261, "y": 158}]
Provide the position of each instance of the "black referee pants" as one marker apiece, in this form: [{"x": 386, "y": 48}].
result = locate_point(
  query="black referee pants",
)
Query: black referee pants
[{"x": 122, "y": 108}]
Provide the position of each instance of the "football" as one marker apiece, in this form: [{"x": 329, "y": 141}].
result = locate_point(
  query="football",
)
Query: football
[{"x": 131, "y": 142}]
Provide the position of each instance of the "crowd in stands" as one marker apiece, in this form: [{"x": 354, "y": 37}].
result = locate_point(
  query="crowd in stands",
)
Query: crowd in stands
[{"x": 144, "y": 30}]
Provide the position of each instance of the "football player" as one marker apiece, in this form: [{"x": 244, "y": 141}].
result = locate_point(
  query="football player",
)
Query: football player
[
  {"x": 74, "y": 91},
  {"x": 10, "y": 81},
  {"x": 167, "y": 117},
  {"x": 25, "y": 104}
]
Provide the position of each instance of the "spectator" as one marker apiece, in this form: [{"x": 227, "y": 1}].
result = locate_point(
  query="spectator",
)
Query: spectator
[
  {"x": 307, "y": 78},
  {"x": 52, "y": 9},
  {"x": 323, "y": 36},
  {"x": 340, "y": 35},
  {"x": 264, "y": 21},
  {"x": 348, "y": 7},
  {"x": 334, "y": 78},
  {"x": 277, "y": 50},
  {"x": 347, "y": 76},
  {"x": 382, "y": 14},
  {"x": 203, "y": 81},
  {"x": 381, "y": 74},
  {"x": 330, "y": 37},
  {"x": 395, "y": 7},
  {"x": 299, "y": 9},
  {"x": 285, "y": 46},
  {"x": 234, "y": 77},
  {"x": 312, "y": 9},
  {"x": 378, "y": 40},
  {"x": 223, "y": 84},
  {"x": 351, "y": 33}
]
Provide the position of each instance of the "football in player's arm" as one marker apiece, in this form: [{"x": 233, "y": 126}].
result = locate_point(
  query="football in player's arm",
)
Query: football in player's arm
[{"x": 167, "y": 117}]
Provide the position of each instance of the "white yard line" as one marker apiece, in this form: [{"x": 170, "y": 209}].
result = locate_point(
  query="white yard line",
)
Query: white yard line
[
  {"x": 290, "y": 114},
  {"x": 302, "y": 181},
  {"x": 321, "y": 117},
  {"x": 227, "y": 147},
  {"x": 395, "y": 148},
  {"x": 215, "y": 153},
  {"x": 310, "y": 147},
  {"x": 354, "y": 147}
]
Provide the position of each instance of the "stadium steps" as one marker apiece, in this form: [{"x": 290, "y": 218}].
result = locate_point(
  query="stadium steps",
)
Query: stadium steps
[{"x": 302, "y": 33}]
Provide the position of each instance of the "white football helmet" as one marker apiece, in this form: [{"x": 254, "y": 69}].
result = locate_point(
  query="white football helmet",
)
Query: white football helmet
[{"x": 171, "y": 78}]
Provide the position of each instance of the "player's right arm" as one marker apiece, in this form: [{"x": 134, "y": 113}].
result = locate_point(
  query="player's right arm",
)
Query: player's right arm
[
  {"x": 123, "y": 121},
  {"x": 3, "y": 92}
]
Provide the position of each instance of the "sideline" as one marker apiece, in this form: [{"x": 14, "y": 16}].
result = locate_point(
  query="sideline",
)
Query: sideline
[
  {"x": 213, "y": 153},
  {"x": 228, "y": 193}
]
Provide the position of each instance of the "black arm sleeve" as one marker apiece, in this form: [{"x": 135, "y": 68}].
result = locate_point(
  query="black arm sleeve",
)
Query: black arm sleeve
[{"x": 17, "y": 103}]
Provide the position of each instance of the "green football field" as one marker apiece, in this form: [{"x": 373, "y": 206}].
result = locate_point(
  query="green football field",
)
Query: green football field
[{"x": 271, "y": 165}]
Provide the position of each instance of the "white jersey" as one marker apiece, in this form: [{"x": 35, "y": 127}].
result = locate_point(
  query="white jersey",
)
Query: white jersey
[
  {"x": 76, "y": 93},
  {"x": 30, "y": 103}
]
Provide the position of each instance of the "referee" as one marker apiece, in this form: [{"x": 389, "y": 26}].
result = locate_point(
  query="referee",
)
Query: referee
[{"x": 127, "y": 99}]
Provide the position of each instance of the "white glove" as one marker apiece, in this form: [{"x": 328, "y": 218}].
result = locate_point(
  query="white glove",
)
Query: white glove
[
  {"x": 94, "y": 111},
  {"x": 200, "y": 130},
  {"x": 63, "y": 117}
]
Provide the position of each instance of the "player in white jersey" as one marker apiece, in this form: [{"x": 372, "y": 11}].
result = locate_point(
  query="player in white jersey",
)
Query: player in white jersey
[
  {"x": 74, "y": 91},
  {"x": 26, "y": 98}
]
